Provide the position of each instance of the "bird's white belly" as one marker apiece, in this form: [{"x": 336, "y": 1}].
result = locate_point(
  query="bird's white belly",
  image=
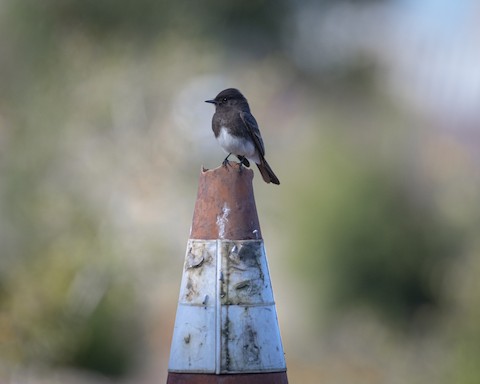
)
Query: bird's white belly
[{"x": 237, "y": 145}]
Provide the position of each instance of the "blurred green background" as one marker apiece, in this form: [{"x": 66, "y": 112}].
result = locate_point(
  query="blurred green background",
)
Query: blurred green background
[{"x": 369, "y": 112}]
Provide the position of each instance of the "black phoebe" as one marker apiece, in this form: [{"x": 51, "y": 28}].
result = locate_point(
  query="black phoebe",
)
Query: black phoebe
[{"x": 237, "y": 132}]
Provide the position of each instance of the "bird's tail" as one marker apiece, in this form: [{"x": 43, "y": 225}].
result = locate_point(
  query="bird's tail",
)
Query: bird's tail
[{"x": 267, "y": 172}]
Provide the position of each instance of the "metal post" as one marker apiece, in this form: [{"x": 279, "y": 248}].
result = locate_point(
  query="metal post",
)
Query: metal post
[{"x": 226, "y": 328}]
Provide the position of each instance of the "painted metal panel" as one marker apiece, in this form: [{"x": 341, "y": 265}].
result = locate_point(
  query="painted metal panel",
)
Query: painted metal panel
[
  {"x": 250, "y": 340},
  {"x": 199, "y": 274},
  {"x": 246, "y": 280},
  {"x": 193, "y": 342}
]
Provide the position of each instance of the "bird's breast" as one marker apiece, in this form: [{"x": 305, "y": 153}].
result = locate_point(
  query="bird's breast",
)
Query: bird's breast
[{"x": 236, "y": 145}]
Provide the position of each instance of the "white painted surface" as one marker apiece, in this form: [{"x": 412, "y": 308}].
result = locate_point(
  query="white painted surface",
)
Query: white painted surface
[
  {"x": 222, "y": 221},
  {"x": 226, "y": 319}
]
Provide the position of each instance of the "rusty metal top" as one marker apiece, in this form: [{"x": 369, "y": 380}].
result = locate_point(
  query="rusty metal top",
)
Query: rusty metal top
[{"x": 225, "y": 206}]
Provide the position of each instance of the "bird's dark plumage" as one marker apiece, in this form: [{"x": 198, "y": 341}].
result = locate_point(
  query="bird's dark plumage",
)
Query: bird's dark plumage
[{"x": 237, "y": 131}]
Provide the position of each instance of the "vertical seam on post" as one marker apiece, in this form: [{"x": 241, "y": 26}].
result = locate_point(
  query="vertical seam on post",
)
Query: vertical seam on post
[{"x": 218, "y": 310}]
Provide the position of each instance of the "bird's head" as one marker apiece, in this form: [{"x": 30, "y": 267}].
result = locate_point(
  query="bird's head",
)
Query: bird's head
[{"x": 230, "y": 98}]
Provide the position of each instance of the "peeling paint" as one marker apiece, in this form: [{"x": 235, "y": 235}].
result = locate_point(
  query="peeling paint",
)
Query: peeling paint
[
  {"x": 242, "y": 285},
  {"x": 222, "y": 221}
]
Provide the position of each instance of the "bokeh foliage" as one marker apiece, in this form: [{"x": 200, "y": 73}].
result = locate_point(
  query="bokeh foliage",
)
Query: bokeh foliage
[
  {"x": 370, "y": 240},
  {"x": 97, "y": 182}
]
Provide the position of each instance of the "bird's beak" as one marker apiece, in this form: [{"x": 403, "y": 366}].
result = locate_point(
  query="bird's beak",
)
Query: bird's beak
[{"x": 211, "y": 101}]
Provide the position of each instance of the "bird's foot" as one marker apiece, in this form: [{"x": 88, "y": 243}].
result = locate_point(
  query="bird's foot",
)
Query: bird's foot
[
  {"x": 226, "y": 162},
  {"x": 243, "y": 161}
]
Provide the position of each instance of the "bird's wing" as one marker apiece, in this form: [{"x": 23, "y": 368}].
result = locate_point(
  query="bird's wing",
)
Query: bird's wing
[{"x": 252, "y": 128}]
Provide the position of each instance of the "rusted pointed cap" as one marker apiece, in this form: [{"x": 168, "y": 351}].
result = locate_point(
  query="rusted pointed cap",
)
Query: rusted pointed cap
[{"x": 225, "y": 206}]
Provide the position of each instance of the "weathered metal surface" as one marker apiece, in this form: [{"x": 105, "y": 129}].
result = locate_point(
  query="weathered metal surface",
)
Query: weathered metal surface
[
  {"x": 226, "y": 329},
  {"x": 250, "y": 340},
  {"x": 225, "y": 206},
  {"x": 255, "y": 378},
  {"x": 226, "y": 319},
  {"x": 246, "y": 279}
]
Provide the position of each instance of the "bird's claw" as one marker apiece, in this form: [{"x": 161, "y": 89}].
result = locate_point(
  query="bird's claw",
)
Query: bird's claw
[
  {"x": 243, "y": 161},
  {"x": 226, "y": 162}
]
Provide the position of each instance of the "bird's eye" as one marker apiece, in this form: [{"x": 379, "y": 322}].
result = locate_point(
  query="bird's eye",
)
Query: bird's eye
[{"x": 224, "y": 99}]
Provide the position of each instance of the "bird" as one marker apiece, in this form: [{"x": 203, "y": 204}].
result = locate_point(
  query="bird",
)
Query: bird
[{"x": 237, "y": 132}]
